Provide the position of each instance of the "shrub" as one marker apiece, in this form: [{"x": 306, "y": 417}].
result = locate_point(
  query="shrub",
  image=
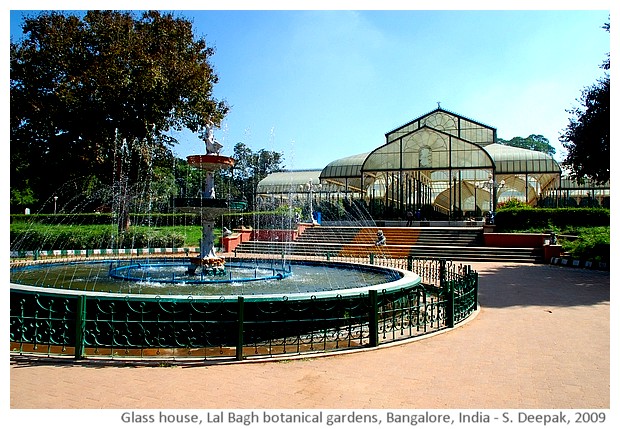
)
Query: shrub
[
  {"x": 512, "y": 203},
  {"x": 591, "y": 244},
  {"x": 528, "y": 218},
  {"x": 138, "y": 219}
]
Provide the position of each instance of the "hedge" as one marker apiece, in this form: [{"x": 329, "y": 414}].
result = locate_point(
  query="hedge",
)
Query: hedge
[
  {"x": 524, "y": 219},
  {"x": 45, "y": 237},
  {"x": 138, "y": 219}
]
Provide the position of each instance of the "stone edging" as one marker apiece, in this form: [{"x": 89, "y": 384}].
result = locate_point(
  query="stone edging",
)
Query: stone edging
[{"x": 576, "y": 263}]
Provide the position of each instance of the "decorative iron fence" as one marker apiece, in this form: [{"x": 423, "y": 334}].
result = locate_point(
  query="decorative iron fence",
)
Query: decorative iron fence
[{"x": 60, "y": 322}]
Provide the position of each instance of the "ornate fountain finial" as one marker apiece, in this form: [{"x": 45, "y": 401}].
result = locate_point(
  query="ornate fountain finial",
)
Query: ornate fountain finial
[{"x": 213, "y": 146}]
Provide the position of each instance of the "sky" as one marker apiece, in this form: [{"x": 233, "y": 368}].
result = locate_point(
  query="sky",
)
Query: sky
[{"x": 319, "y": 85}]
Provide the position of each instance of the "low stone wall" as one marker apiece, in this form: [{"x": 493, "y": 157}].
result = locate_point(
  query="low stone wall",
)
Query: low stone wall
[
  {"x": 246, "y": 233},
  {"x": 35, "y": 254},
  {"x": 241, "y": 235},
  {"x": 231, "y": 242},
  {"x": 498, "y": 239}
]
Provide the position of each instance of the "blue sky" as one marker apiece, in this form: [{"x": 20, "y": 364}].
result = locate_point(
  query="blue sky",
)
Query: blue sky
[{"x": 319, "y": 85}]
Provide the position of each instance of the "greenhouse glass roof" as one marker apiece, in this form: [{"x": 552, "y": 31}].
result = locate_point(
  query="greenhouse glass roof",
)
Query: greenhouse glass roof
[
  {"x": 293, "y": 182},
  {"x": 427, "y": 148},
  {"x": 285, "y": 182},
  {"x": 517, "y": 160},
  {"x": 450, "y": 123},
  {"x": 350, "y": 166},
  {"x": 346, "y": 173}
]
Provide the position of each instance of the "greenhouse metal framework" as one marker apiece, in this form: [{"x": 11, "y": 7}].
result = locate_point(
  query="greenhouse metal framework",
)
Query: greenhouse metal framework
[{"x": 441, "y": 159}]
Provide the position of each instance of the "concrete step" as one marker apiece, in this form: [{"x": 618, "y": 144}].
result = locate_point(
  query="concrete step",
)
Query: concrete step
[
  {"x": 457, "y": 243},
  {"x": 532, "y": 255},
  {"x": 461, "y": 236}
]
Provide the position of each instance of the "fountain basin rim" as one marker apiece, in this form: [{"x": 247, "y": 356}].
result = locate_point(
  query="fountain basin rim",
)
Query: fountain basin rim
[
  {"x": 210, "y": 161},
  {"x": 114, "y": 274},
  {"x": 407, "y": 279}
]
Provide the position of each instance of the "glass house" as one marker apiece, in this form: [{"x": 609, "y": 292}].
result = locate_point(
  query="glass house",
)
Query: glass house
[{"x": 441, "y": 159}]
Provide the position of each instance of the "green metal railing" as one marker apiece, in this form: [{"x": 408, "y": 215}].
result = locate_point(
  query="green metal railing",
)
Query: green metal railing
[{"x": 48, "y": 322}]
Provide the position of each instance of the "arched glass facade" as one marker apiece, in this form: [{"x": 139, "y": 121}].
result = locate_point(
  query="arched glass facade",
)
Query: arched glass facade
[{"x": 444, "y": 161}]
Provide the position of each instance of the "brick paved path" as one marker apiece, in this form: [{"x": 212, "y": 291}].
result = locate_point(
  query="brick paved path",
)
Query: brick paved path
[{"x": 541, "y": 340}]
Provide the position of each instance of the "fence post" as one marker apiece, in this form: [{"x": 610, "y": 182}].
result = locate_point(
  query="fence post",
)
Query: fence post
[
  {"x": 372, "y": 258},
  {"x": 80, "y": 325},
  {"x": 239, "y": 350},
  {"x": 450, "y": 304},
  {"x": 475, "y": 280},
  {"x": 373, "y": 318},
  {"x": 409, "y": 263},
  {"x": 443, "y": 275}
]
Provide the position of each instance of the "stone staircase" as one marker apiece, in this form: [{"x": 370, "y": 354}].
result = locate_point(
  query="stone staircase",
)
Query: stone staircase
[{"x": 455, "y": 243}]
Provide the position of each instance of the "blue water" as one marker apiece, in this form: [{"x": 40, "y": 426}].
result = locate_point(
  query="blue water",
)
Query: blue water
[{"x": 304, "y": 278}]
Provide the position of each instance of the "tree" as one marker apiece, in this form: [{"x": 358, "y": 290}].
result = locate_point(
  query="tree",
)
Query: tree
[
  {"x": 94, "y": 97},
  {"x": 586, "y": 137},
  {"x": 250, "y": 168},
  {"x": 189, "y": 180},
  {"x": 533, "y": 142}
]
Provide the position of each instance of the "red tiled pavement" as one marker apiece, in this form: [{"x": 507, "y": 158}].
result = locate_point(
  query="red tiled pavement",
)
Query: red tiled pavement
[{"x": 541, "y": 340}]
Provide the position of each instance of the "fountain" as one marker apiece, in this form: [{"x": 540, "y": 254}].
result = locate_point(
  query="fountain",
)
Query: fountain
[
  {"x": 209, "y": 207},
  {"x": 207, "y": 273},
  {"x": 211, "y": 267},
  {"x": 201, "y": 306}
]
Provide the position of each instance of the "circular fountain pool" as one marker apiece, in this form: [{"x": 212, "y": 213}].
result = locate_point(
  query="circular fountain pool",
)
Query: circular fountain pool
[
  {"x": 160, "y": 276},
  {"x": 76, "y": 308}
]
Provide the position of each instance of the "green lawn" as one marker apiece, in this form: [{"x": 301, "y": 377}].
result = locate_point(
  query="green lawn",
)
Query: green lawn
[{"x": 31, "y": 236}]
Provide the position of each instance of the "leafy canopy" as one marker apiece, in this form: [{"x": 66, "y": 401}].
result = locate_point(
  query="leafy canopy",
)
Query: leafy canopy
[
  {"x": 586, "y": 138},
  {"x": 82, "y": 85},
  {"x": 250, "y": 168},
  {"x": 533, "y": 142}
]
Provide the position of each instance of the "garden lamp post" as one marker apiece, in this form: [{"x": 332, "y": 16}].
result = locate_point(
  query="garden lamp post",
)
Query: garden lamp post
[
  {"x": 476, "y": 187},
  {"x": 493, "y": 187},
  {"x": 55, "y": 201}
]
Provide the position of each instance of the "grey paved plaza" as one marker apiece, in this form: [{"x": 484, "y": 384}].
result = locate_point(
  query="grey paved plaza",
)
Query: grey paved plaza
[{"x": 541, "y": 340}]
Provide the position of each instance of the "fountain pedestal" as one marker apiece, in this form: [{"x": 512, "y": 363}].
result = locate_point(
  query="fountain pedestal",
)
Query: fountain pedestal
[
  {"x": 207, "y": 259},
  {"x": 210, "y": 209}
]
